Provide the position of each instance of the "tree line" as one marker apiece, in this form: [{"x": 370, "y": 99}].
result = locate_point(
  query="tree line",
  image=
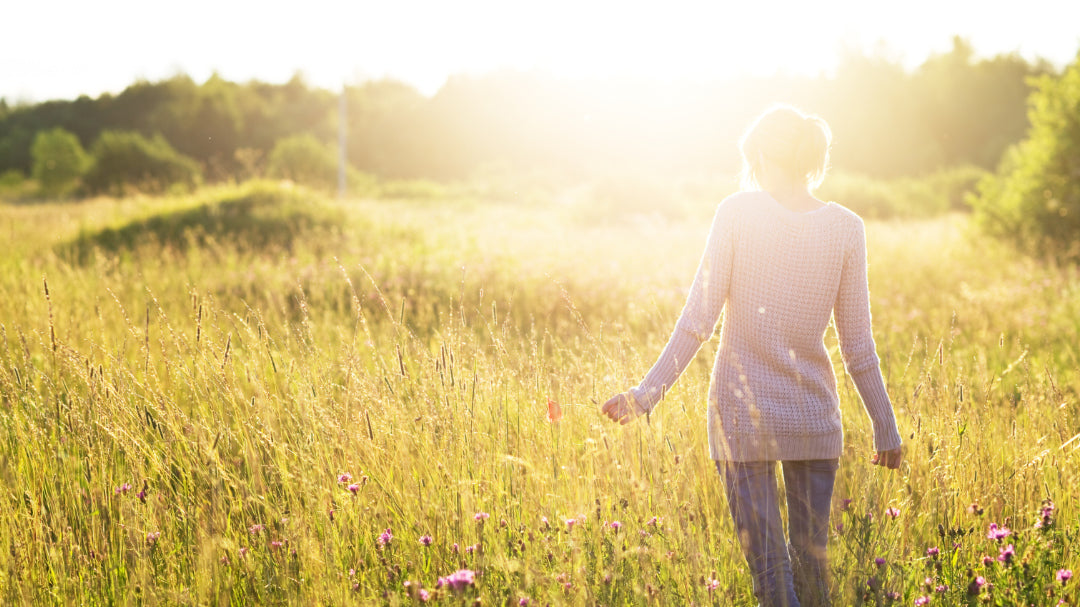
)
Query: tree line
[{"x": 954, "y": 109}]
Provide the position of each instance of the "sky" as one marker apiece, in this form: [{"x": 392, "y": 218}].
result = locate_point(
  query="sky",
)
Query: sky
[{"x": 59, "y": 49}]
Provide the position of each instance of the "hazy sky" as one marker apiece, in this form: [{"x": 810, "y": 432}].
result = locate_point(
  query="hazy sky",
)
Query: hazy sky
[{"x": 63, "y": 48}]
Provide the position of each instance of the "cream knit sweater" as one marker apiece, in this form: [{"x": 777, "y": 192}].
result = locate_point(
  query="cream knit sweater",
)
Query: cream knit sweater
[{"x": 779, "y": 276}]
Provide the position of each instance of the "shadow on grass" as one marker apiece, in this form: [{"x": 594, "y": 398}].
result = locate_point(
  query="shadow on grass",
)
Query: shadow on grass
[{"x": 255, "y": 217}]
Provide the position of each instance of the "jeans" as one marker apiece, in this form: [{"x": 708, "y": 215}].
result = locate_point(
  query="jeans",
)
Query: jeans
[{"x": 785, "y": 574}]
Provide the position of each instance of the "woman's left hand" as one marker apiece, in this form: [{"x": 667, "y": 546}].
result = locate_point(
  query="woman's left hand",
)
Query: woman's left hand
[{"x": 621, "y": 408}]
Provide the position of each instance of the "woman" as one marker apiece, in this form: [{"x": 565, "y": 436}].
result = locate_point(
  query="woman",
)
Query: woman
[{"x": 781, "y": 263}]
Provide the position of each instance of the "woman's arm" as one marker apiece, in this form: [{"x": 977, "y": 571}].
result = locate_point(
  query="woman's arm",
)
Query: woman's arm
[
  {"x": 851, "y": 315},
  {"x": 694, "y": 327}
]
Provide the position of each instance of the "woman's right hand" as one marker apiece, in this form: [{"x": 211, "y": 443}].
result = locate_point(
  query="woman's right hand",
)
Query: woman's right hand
[
  {"x": 621, "y": 408},
  {"x": 890, "y": 459}
]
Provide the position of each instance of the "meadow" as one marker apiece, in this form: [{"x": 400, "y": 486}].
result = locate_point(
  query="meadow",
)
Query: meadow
[{"x": 256, "y": 395}]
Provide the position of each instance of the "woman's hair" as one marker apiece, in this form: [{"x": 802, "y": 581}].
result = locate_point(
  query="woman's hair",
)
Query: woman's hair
[{"x": 795, "y": 143}]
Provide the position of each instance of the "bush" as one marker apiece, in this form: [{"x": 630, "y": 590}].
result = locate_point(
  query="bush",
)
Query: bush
[
  {"x": 1034, "y": 199},
  {"x": 58, "y": 160},
  {"x": 933, "y": 194},
  {"x": 303, "y": 159},
  {"x": 124, "y": 160}
]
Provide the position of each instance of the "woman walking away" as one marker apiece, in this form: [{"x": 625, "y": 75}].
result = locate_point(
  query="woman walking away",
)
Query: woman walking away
[{"x": 781, "y": 263}]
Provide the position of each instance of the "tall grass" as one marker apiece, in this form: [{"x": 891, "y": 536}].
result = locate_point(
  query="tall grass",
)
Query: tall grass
[{"x": 239, "y": 421}]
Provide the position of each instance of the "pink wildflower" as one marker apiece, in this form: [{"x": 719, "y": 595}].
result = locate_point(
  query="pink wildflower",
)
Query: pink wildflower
[
  {"x": 123, "y": 489},
  {"x": 523, "y": 601},
  {"x": 1064, "y": 575},
  {"x": 255, "y": 529},
  {"x": 457, "y": 580},
  {"x": 424, "y": 595},
  {"x": 276, "y": 544},
  {"x": 1007, "y": 554},
  {"x": 845, "y": 504},
  {"x": 998, "y": 533},
  {"x": 344, "y": 478},
  {"x": 892, "y": 512},
  {"x": 385, "y": 538},
  {"x": 880, "y": 562},
  {"x": 922, "y": 600},
  {"x": 933, "y": 552},
  {"x": 987, "y": 560},
  {"x": 425, "y": 540},
  {"x": 570, "y": 523},
  {"x": 481, "y": 516},
  {"x": 616, "y": 525},
  {"x": 353, "y": 487},
  {"x": 712, "y": 584},
  {"x": 152, "y": 537}
]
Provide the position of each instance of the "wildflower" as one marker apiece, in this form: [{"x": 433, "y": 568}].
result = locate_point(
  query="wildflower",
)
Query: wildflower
[
  {"x": 344, "y": 478},
  {"x": 570, "y": 523},
  {"x": 1046, "y": 515},
  {"x": 255, "y": 529},
  {"x": 142, "y": 494},
  {"x": 385, "y": 537},
  {"x": 975, "y": 509},
  {"x": 893, "y": 595},
  {"x": 123, "y": 489},
  {"x": 922, "y": 600},
  {"x": 455, "y": 548},
  {"x": 276, "y": 544},
  {"x": 976, "y": 585},
  {"x": 152, "y": 537},
  {"x": 480, "y": 517},
  {"x": 554, "y": 411},
  {"x": 1063, "y": 575},
  {"x": 839, "y": 527},
  {"x": 873, "y": 583},
  {"x": 1007, "y": 554},
  {"x": 457, "y": 580},
  {"x": 880, "y": 562},
  {"x": 243, "y": 552},
  {"x": 998, "y": 533},
  {"x": 353, "y": 488},
  {"x": 845, "y": 504},
  {"x": 933, "y": 552},
  {"x": 616, "y": 525},
  {"x": 523, "y": 601},
  {"x": 424, "y": 595},
  {"x": 425, "y": 540},
  {"x": 470, "y": 549},
  {"x": 352, "y": 571},
  {"x": 941, "y": 588},
  {"x": 712, "y": 584},
  {"x": 987, "y": 560},
  {"x": 892, "y": 512},
  {"x": 655, "y": 521},
  {"x": 544, "y": 524}
]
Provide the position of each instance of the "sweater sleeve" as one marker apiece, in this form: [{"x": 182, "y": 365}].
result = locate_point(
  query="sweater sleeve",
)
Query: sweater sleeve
[
  {"x": 851, "y": 315},
  {"x": 699, "y": 315}
]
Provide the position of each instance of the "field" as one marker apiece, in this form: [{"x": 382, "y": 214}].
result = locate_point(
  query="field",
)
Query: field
[{"x": 253, "y": 395}]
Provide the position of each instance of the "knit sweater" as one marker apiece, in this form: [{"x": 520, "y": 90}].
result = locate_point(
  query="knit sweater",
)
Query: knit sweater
[{"x": 779, "y": 276}]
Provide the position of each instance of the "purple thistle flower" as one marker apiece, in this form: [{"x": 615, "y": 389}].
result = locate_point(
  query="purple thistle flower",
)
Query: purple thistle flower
[
  {"x": 454, "y": 548},
  {"x": 276, "y": 544},
  {"x": 255, "y": 529},
  {"x": 712, "y": 584},
  {"x": 425, "y": 540},
  {"x": 152, "y": 537},
  {"x": 892, "y": 512},
  {"x": 1007, "y": 554},
  {"x": 123, "y": 488},
  {"x": 481, "y": 516},
  {"x": 386, "y": 537},
  {"x": 880, "y": 562},
  {"x": 893, "y": 595},
  {"x": 424, "y": 595},
  {"x": 353, "y": 488},
  {"x": 655, "y": 521},
  {"x": 845, "y": 504},
  {"x": 1063, "y": 575},
  {"x": 570, "y": 523},
  {"x": 933, "y": 552},
  {"x": 941, "y": 588},
  {"x": 998, "y": 533},
  {"x": 344, "y": 478},
  {"x": 141, "y": 495},
  {"x": 987, "y": 560},
  {"x": 523, "y": 601},
  {"x": 616, "y": 525},
  {"x": 922, "y": 600},
  {"x": 458, "y": 580}
]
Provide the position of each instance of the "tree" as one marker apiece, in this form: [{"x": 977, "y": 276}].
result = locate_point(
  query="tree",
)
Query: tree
[
  {"x": 303, "y": 159},
  {"x": 1034, "y": 199},
  {"x": 59, "y": 160}
]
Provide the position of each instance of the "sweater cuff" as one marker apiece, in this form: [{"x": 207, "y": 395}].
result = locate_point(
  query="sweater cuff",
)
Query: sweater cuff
[{"x": 871, "y": 387}]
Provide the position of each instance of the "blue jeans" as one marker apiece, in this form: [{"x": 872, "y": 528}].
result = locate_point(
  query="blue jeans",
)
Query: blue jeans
[{"x": 785, "y": 574}]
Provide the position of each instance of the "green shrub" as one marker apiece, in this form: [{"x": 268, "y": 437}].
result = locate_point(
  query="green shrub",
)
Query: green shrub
[
  {"x": 59, "y": 160},
  {"x": 925, "y": 196},
  {"x": 125, "y": 160},
  {"x": 303, "y": 159},
  {"x": 1034, "y": 199}
]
